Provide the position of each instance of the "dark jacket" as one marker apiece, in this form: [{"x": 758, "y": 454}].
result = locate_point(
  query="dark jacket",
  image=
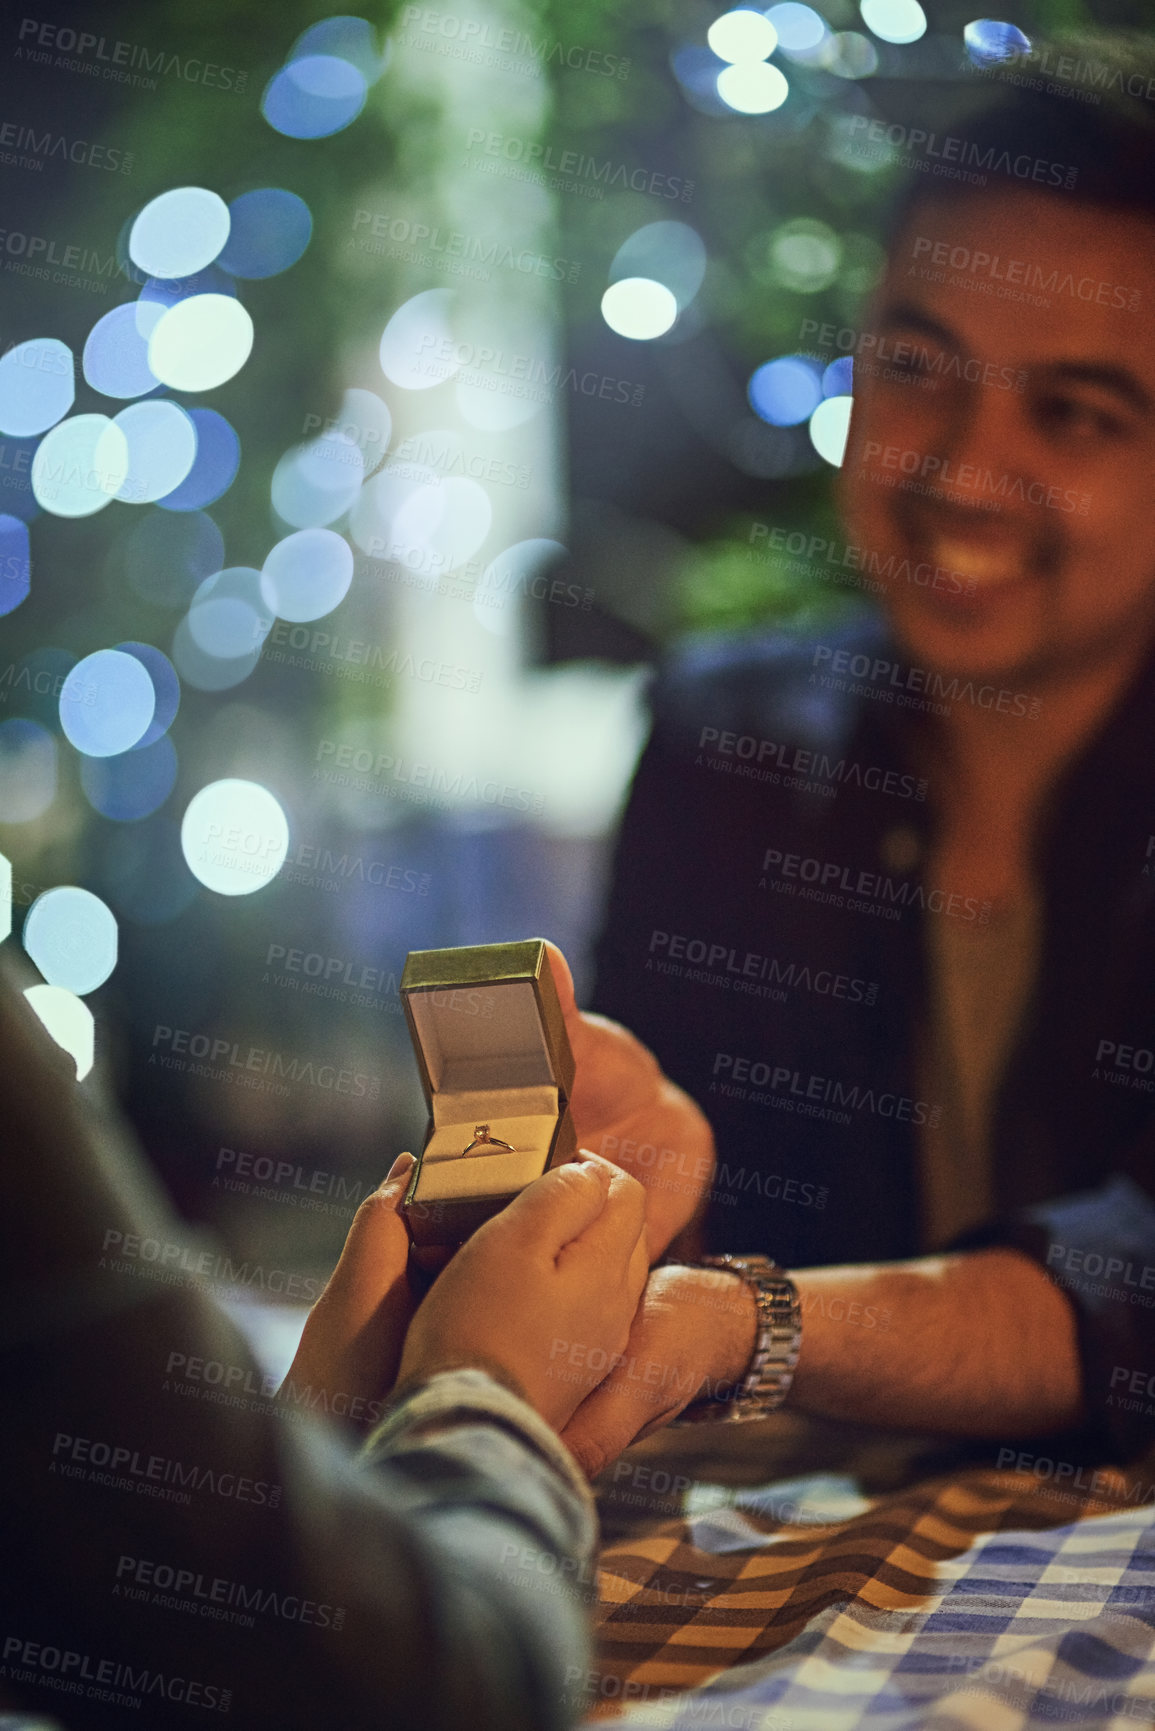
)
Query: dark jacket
[{"x": 764, "y": 937}]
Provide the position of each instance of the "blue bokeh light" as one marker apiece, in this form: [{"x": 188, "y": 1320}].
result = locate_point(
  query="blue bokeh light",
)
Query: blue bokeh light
[
  {"x": 800, "y": 28},
  {"x": 107, "y": 703},
  {"x": 989, "y": 40},
  {"x": 133, "y": 785},
  {"x": 16, "y": 493},
  {"x": 37, "y": 386},
  {"x": 307, "y": 574},
  {"x": 162, "y": 447},
  {"x": 165, "y": 684},
  {"x": 165, "y": 292},
  {"x": 271, "y": 229},
  {"x": 837, "y": 380},
  {"x": 72, "y": 937},
  {"x": 347, "y": 38},
  {"x": 115, "y": 358},
  {"x": 179, "y": 232},
  {"x": 315, "y": 96},
  {"x": 785, "y": 392},
  {"x": 15, "y": 563},
  {"x": 215, "y": 467}
]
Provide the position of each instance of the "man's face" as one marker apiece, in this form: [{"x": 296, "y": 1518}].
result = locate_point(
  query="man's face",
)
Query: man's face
[{"x": 1044, "y": 412}]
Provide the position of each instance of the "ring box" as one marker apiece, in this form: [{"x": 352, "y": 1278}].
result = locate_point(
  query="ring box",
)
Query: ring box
[{"x": 492, "y": 1048}]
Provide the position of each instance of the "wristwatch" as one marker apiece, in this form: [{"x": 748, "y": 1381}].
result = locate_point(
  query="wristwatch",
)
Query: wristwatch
[{"x": 776, "y": 1346}]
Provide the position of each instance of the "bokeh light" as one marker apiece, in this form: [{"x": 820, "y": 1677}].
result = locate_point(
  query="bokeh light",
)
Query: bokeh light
[
  {"x": 37, "y": 386},
  {"x": 345, "y": 37},
  {"x": 27, "y": 770},
  {"x": 69, "y": 1021},
  {"x": 805, "y": 255},
  {"x": 413, "y": 340},
  {"x": 165, "y": 557},
  {"x": 16, "y": 478},
  {"x": 307, "y": 574},
  {"x": 315, "y": 96},
  {"x": 848, "y": 54},
  {"x": 15, "y": 563},
  {"x": 164, "y": 292},
  {"x": 206, "y": 672},
  {"x": 785, "y": 392},
  {"x": 800, "y": 28},
  {"x": 5, "y": 897},
  {"x": 898, "y": 21},
  {"x": 837, "y": 379},
  {"x": 106, "y": 703},
  {"x": 228, "y": 618},
  {"x": 509, "y": 578},
  {"x": 829, "y": 425},
  {"x": 71, "y": 935},
  {"x": 639, "y": 308},
  {"x": 133, "y": 785},
  {"x": 162, "y": 447},
  {"x": 671, "y": 253},
  {"x": 989, "y": 40},
  {"x": 214, "y": 469},
  {"x": 80, "y": 466},
  {"x": 235, "y": 837},
  {"x": 438, "y": 528},
  {"x": 165, "y": 685},
  {"x": 753, "y": 87},
  {"x": 315, "y": 483},
  {"x": 270, "y": 230},
  {"x": 180, "y": 232},
  {"x": 201, "y": 342},
  {"x": 742, "y": 35},
  {"x": 115, "y": 359}
]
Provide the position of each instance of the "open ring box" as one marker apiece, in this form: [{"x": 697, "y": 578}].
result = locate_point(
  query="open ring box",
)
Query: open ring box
[{"x": 492, "y": 1049}]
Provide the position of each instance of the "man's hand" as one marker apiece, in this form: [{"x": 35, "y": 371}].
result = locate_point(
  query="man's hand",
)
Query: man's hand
[
  {"x": 563, "y": 1266},
  {"x": 693, "y": 1336},
  {"x": 353, "y": 1337},
  {"x": 625, "y": 1109}
]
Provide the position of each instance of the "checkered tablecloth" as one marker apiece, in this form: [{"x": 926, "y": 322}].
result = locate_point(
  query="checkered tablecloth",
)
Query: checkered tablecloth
[{"x": 982, "y": 1599}]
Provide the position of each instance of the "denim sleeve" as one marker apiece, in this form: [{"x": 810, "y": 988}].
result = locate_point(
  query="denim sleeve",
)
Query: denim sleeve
[{"x": 1098, "y": 1246}]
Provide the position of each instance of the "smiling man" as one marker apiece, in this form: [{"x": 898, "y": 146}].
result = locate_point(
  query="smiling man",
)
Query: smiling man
[{"x": 882, "y": 900}]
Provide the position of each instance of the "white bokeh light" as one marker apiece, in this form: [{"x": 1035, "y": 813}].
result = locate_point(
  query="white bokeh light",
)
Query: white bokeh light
[
  {"x": 37, "y": 386},
  {"x": 742, "y": 35},
  {"x": 898, "y": 21},
  {"x": 639, "y": 308},
  {"x": 162, "y": 448},
  {"x": 107, "y": 703},
  {"x": 179, "y": 233},
  {"x": 234, "y": 837},
  {"x": 416, "y": 341},
  {"x": 72, "y": 937},
  {"x": 315, "y": 483},
  {"x": 438, "y": 528},
  {"x": 80, "y": 466},
  {"x": 201, "y": 342},
  {"x": 306, "y": 575},
  {"x": 753, "y": 87},
  {"x": 829, "y": 425},
  {"x": 69, "y": 1021}
]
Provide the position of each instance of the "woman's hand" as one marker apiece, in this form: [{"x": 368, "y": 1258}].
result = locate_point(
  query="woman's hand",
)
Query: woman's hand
[
  {"x": 625, "y": 1109},
  {"x": 693, "y": 1336},
  {"x": 354, "y": 1333},
  {"x": 545, "y": 1291}
]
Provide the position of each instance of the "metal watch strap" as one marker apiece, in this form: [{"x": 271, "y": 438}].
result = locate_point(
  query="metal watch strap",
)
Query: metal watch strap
[{"x": 771, "y": 1369}]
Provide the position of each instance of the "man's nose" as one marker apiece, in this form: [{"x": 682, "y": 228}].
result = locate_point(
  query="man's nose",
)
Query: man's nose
[{"x": 981, "y": 445}]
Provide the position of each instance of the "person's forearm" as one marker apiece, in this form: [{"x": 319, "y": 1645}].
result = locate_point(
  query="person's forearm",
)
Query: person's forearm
[{"x": 979, "y": 1344}]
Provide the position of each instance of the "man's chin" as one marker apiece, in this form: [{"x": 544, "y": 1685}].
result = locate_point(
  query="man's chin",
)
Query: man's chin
[{"x": 962, "y": 648}]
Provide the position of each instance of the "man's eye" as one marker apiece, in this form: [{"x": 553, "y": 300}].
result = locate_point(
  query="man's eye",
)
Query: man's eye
[{"x": 1070, "y": 418}]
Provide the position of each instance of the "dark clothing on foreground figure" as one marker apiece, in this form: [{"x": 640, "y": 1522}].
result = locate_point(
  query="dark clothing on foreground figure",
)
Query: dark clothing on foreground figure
[
  {"x": 437, "y": 1584},
  {"x": 766, "y": 934}
]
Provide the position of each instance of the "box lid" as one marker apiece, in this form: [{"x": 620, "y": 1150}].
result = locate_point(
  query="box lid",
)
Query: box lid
[{"x": 486, "y": 1016}]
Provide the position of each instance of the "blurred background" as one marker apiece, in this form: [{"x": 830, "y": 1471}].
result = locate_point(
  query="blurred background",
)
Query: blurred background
[{"x": 379, "y": 395}]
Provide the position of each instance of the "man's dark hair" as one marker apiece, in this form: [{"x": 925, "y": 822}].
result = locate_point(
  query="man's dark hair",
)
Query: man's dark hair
[{"x": 1085, "y": 133}]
